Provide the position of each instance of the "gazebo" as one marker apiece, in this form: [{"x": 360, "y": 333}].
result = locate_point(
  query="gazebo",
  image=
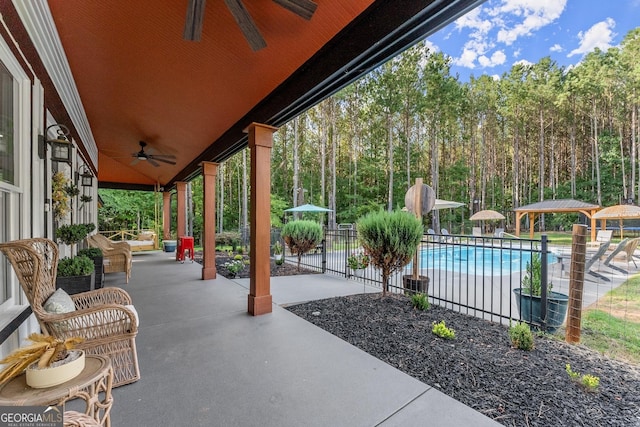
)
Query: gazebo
[{"x": 556, "y": 206}]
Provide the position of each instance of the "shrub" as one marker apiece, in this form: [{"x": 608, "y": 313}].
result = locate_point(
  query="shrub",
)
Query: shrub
[
  {"x": 390, "y": 239},
  {"x": 73, "y": 233},
  {"x": 588, "y": 381},
  {"x": 234, "y": 266},
  {"x": 76, "y": 266},
  {"x": 420, "y": 301},
  {"x": 90, "y": 252},
  {"x": 301, "y": 236},
  {"x": 358, "y": 260},
  {"x": 441, "y": 330},
  {"x": 532, "y": 281},
  {"x": 521, "y": 336},
  {"x": 228, "y": 238}
]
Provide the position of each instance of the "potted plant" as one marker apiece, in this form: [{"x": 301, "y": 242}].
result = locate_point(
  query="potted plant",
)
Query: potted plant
[
  {"x": 60, "y": 198},
  {"x": 75, "y": 273},
  {"x": 357, "y": 262},
  {"x": 301, "y": 236},
  {"x": 96, "y": 255},
  {"x": 390, "y": 239},
  {"x": 277, "y": 250},
  {"x": 48, "y": 361},
  {"x": 529, "y": 299}
]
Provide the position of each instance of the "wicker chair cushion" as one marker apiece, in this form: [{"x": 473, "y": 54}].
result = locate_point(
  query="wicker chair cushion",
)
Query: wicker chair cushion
[
  {"x": 135, "y": 313},
  {"x": 59, "y": 302}
]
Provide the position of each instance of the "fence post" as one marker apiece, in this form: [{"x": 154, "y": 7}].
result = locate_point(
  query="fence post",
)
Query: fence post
[
  {"x": 324, "y": 253},
  {"x": 347, "y": 249},
  {"x": 576, "y": 283},
  {"x": 543, "y": 282}
]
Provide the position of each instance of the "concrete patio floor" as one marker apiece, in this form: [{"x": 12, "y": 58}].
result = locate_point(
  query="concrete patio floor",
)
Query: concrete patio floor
[{"x": 206, "y": 362}]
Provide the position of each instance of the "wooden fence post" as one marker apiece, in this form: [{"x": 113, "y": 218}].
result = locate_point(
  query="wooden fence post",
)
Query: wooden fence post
[{"x": 576, "y": 283}]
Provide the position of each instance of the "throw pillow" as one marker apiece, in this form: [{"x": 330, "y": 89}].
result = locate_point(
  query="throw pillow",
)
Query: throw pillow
[{"x": 59, "y": 302}]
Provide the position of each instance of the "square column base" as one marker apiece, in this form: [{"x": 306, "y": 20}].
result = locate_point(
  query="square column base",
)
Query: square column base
[
  {"x": 209, "y": 273},
  {"x": 260, "y": 305}
]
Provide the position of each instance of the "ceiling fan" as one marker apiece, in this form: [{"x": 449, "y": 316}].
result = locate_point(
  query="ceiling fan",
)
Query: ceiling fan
[
  {"x": 195, "y": 14},
  {"x": 153, "y": 159}
]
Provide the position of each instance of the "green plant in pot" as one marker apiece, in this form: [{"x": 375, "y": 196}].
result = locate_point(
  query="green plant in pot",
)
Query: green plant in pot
[
  {"x": 301, "y": 236},
  {"x": 75, "y": 272},
  {"x": 96, "y": 255},
  {"x": 390, "y": 239},
  {"x": 277, "y": 250},
  {"x": 529, "y": 298}
]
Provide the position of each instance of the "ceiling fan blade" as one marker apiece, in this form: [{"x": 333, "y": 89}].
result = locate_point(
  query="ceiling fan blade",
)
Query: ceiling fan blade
[
  {"x": 246, "y": 24},
  {"x": 153, "y": 162},
  {"x": 193, "y": 23},
  {"x": 134, "y": 162},
  {"x": 302, "y": 8},
  {"x": 171, "y": 162},
  {"x": 163, "y": 156}
]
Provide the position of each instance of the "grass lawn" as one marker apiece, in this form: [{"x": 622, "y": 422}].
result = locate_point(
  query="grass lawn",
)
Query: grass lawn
[{"x": 614, "y": 327}]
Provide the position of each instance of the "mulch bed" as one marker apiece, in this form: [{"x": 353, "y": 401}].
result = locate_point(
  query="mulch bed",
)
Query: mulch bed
[
  {"x": 479, "y": 367},
  {"x": 285, "y": 269}
]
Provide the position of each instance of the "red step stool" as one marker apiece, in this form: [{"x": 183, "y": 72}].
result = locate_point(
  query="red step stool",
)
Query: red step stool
[{"x": 185, "y": 244}]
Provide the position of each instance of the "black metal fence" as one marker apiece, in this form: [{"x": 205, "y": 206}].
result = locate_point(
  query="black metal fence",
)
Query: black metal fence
[{"x": 472, "y": 275}]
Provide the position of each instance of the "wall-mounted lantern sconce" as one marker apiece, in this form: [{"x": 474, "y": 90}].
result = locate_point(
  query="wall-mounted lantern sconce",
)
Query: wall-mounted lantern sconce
[
  {"x": 60, "y": 146},
  {"x": 86, "y": 178}
]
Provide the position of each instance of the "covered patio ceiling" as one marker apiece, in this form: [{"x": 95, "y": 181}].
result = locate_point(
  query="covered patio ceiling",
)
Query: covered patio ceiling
[{"x": 138, "y": 79}]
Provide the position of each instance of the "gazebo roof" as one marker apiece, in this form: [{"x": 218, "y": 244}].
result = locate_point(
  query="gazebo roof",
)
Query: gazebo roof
[
  {"x": 556, "y": 206},
  {"x": 561, "y": 205}
]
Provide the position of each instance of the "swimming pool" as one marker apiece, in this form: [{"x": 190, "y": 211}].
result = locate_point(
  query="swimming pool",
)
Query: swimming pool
[{"x": 478, "y": 260}]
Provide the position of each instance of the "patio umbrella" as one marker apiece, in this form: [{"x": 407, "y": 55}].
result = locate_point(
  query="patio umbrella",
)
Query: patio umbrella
[
  {"x": 486, "y": 215},
  {"x": 446, "y": 204},
  {"x": 619, "y": 212},
  {"x": 308, "y": 208}
]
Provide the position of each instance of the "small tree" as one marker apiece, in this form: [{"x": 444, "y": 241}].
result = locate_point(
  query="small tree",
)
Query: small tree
[
  {"x": 390, "y": 239},
  {"x": 301, "y": 236}
]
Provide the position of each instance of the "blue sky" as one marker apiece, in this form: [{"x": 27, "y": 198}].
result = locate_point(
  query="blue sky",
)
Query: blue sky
[{"x": 498, "y": 34}]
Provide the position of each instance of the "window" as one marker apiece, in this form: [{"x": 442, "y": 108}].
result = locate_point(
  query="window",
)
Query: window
[
  {"x": 7, "y": 159},
  {"x": 15, "y": 102}
]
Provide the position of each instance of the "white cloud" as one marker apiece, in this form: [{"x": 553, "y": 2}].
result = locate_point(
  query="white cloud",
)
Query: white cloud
[
  {"x": 598, "y": 36},
  {"x": 523, "y": 62},
  {"x": 498, "y": 58},
  {"x": 556, "y": 48},
  {"x": 431, "y": 46},
  {"x": 472, "y": 20},
  {"x": 511, "y": 19},
  {"x": 467, "y": 59},
  {"x": 523, "y": 17}
]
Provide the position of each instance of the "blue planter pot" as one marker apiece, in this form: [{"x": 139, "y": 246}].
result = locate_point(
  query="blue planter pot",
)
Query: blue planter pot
[
  {"x": 530, "y": 306},
  {"x": 170, "y": 245}
]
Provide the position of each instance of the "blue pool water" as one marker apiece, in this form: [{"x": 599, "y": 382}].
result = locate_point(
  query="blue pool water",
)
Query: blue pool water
[{"x": 478, "y": 260}]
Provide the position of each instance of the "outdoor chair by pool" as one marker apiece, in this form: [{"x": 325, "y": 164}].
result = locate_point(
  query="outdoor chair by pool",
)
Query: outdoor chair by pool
[
  {"x": 596, "y": 257},
  {"x": 601, "y": 237},
  {"x": 625, "y": 248},
  {"x": 446, "y": 237},
  {"x": 104, "y": 317},
  {"x": 116, "y": 255},
  {"x": 498, "y": 233},
  {"x": 477, "y": 232}
]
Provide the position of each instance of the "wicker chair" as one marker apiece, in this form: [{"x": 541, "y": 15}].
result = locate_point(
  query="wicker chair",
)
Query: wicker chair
[
  {"x": 116, "y": 255},
  {"x": 101, "y": 316}
]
